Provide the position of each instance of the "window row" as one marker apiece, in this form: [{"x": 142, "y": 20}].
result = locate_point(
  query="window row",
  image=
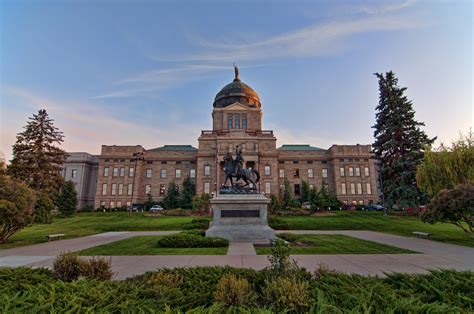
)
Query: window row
[
  {"x": 354, "y": 171},
  {"x": 117, "y": 189},
  {"x": 368, "y": 188},
  {"x": 234, "y": 121},
  {"x": 119, "y": 172},
  {"x": 113, "y": 204},
  {"x": 177, "y": 173},
  {"x": 296, "y": 173}
]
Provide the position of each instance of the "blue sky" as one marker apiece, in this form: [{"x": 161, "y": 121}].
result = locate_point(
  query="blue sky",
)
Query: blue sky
[{"x": 146, "y": 72}]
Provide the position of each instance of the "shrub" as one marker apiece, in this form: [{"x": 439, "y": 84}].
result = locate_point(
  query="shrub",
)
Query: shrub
[
  {"x": 187, "y": 240},
  {"x": 287, "y": 294},
  {"x": 231, "y": 290},
  {"x": 176, "y": 212},
  {"x": 281, "y": 265},
  {"x": 43, "y": 207},
  {"x": 278, "y": 223},
  {"x": 165, "y": 278},
  {"x": 88, "y": 208},
  {"x": 67, "y": 267},
  {"x": 197, "y": 223},
  {"x": 98, "y": 268}
]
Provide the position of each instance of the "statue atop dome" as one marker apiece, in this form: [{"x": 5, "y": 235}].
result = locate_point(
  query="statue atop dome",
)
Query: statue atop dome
[{"x": 237, "y": 73}]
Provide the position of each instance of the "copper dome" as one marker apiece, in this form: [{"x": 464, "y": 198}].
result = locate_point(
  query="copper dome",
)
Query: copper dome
[{"x": 237, "y": 91}]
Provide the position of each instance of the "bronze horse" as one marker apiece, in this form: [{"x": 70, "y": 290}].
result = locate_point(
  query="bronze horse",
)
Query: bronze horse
[{"x": 249, "y": 175}]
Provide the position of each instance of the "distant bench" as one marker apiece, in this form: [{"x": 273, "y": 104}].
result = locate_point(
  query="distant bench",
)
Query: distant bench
[
  {"x": 422, "y": 234},
  {"x": 55, "y": 236}
]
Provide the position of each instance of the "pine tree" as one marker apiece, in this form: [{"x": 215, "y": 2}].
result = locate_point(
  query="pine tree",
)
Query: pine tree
[
  {"x": 399, "y": 143},
  {"x": 36, "y": 159},
  {"x": 43, "y": 207},
  {"x": 171, "y": 199},
  {"x": 67, "y": 200},
  {"x": 305, "y": 190},
  {"x": 189, "y": 190}
]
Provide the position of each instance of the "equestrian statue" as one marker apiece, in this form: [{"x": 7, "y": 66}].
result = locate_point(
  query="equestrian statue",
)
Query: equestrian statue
[{"x": 235, "y": 169}]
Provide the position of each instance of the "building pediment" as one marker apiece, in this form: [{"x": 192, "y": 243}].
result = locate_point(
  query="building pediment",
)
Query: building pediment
[{"x": 236, "y": 106}]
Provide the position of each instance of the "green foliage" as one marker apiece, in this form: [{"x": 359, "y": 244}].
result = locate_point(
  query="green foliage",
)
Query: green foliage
[
  {"x": 231, "y": 290},
  {"x": 274, "y": 205},
  {"x": 43, "y": 207},
  {"x": 281, "y": 265},
  {"x": 189, "y": 240},
  {"x": 171, "y": 199},
  {"x": 16, "y": 203},
  {"x": 323, "y": 199},
  {"x": 455, "y": 206},
  {"x": 67, "y": 200},
  {"x": 202, "y": 202},
  {"x": 165, "y": 278},
  {"x": 286, "y": 196},
  {"x": 67, "y": 267},
  {"x": 189, "y": 191},
  {"x": 149, "y": 202},
  {"x": 287, "y": 295},
  {"x": 197, "y": 223},
  {"x": 305, "y": 192},
  {"x": 447, "y": 166},
  {"x": 278, "y": 224},
  {"x": 98, "y": 268},
  {"x": 399, "y": 144},
  {"x": 290, "y": 237},
  {"x": 37, "y": 159},
  {"x": 88, "y": 209}
]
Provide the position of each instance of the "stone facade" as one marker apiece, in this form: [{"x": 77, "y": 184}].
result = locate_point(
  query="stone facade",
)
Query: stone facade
[
  {"x": 237, "y": 119},
  {"x": 82, "y": 169}
]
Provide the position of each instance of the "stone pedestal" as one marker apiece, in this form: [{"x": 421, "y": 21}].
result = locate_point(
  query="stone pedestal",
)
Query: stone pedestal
[{"x": 240, "y": 217}]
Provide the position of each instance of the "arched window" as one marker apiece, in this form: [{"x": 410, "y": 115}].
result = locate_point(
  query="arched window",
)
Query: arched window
[{"x": 237, "y": 121}]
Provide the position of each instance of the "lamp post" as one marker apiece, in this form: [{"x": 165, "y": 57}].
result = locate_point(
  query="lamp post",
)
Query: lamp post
[{"x": 136, "y": 157}]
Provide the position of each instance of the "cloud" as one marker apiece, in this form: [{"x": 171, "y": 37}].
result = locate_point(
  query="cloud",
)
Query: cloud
[{"x": 385, "y": 7}]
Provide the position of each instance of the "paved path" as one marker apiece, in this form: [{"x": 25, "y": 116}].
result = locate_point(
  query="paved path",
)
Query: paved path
[{"x": 240, "y": 254}]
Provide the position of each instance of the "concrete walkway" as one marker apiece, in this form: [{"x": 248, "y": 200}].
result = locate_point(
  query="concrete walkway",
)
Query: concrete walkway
[{"x": 242, "y": 254}]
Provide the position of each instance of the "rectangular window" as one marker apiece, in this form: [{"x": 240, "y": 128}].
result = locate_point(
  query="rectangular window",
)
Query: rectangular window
[
  {"x": 120, "y": 189},
  {"x": 268, "y": 189},
  {"x": 357, "y": 171},
  {"x": 342, "y": 171},
  {"x": 237, "y": 121},
  {"x": 343, "y": 189},
  {"x": 351, "y": 172},
  {"x": 310, "y": 173},
  {"x": 244, "y": 121},
  {"x": 366, "y": 171},
  {"x": 297, "y": 189},
  {"x": 325, "y": 173},
  {"x": 192, "y": 173},
  {"x": 130, "y": 189},
  {"x": 73, "y": 173},
  {"x": 131, "y": 171},
  {"x": 112, "y": 204},
  {"x": 178, "y": 173},
  {"x": 206, "y": 187},
  {"x": 368, "y": 188},
  {"x": 128, "y": 204},
  {"x": 267, "y": 170},
  {"x": 353, "y": 189},
  {"x": 106, "y": 171},
  {"x": 102, "y": 204},
  {"x": 122, "y": 171},
  {"x": 115, "y": 172},
  {"x": 147, "y": 189},
  {"x": 207, "y": 170},
  {"x": 148, "y": 173},
  {"x": 114, "y": 188},
  {"x": 282, "y": 173},
  {"x": 359, "y": 188},
  {"x": 163, "y": 173},
  {"x": 119, "y": 204},
  {"x": 104, "y": 189},
  {"x": 229, "y": 122},
  {"x": 162, "y": 190},
  {"x": 296, "y": 173}
]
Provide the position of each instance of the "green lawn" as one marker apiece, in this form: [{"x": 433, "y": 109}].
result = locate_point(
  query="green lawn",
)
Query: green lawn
[
  {"x": 85, "y": 224},
  {"x": 337, "y": 244},
  {"x": 147, "y": 245},
  {"x": 376, "y": 221}
]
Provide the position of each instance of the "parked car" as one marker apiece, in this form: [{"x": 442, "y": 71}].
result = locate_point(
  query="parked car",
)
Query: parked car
[
  {"x": 375, "y": 207},
  {"x": 137, "y": 207},
  {"x": 306, "y": 205},
  {"x": 156, "y": 208}
]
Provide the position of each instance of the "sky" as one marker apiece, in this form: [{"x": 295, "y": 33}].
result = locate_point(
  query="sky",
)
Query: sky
[{"x": 146, "y": 72}]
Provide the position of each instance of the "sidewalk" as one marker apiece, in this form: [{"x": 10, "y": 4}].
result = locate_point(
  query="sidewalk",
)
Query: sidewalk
[{"x": 434, "y": 255}]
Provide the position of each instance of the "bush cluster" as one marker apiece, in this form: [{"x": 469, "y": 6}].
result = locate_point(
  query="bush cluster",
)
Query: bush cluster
[
  {"x": 198, "y": 223},
  {"x": 69, "y": 267},
  {"x": 191, "y": 240},
  {"x": 278, "y": 223}
]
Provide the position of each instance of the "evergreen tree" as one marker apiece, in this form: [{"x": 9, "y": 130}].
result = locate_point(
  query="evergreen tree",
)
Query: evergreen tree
[
  {"x": 36, "y": 158},
  {"x": 189, "y": 190},
  {"x": 67, "y": 200},
  {"x": 149, "y": 201},
  {"x": 171, "y": 199},
  {"x": 399, "y": 143},
  {"x": 305, "y": 190},
  {"x": 286, "y": 197},
  {"x": 43, "y": 207}
]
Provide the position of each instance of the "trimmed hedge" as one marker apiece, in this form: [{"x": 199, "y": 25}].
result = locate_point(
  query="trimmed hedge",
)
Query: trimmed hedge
[
  {"x": 191, "y": 240},
  {"x": 197, "y": 223}
]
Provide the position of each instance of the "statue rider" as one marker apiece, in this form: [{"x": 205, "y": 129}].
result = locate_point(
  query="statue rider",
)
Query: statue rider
[{"x": 239, "y": 160}]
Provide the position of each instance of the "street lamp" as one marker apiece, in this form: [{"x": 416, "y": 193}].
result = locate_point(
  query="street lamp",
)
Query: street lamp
[{"x": 136, "y": 157}]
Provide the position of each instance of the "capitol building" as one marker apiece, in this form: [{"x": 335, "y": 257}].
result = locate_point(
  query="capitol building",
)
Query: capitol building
[{"x": 125, "y": 175}]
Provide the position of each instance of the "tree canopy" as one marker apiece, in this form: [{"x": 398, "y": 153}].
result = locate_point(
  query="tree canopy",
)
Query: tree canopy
[{"x": 399, "y": 143}]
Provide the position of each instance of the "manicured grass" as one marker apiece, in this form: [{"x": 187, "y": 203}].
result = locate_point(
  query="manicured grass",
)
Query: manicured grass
[
  {"x": 147, "y": 245},
  {"x": 337, "y": 244},
  {"x": 84, "y": 224},
  {"x": 376, "y": 221}
]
